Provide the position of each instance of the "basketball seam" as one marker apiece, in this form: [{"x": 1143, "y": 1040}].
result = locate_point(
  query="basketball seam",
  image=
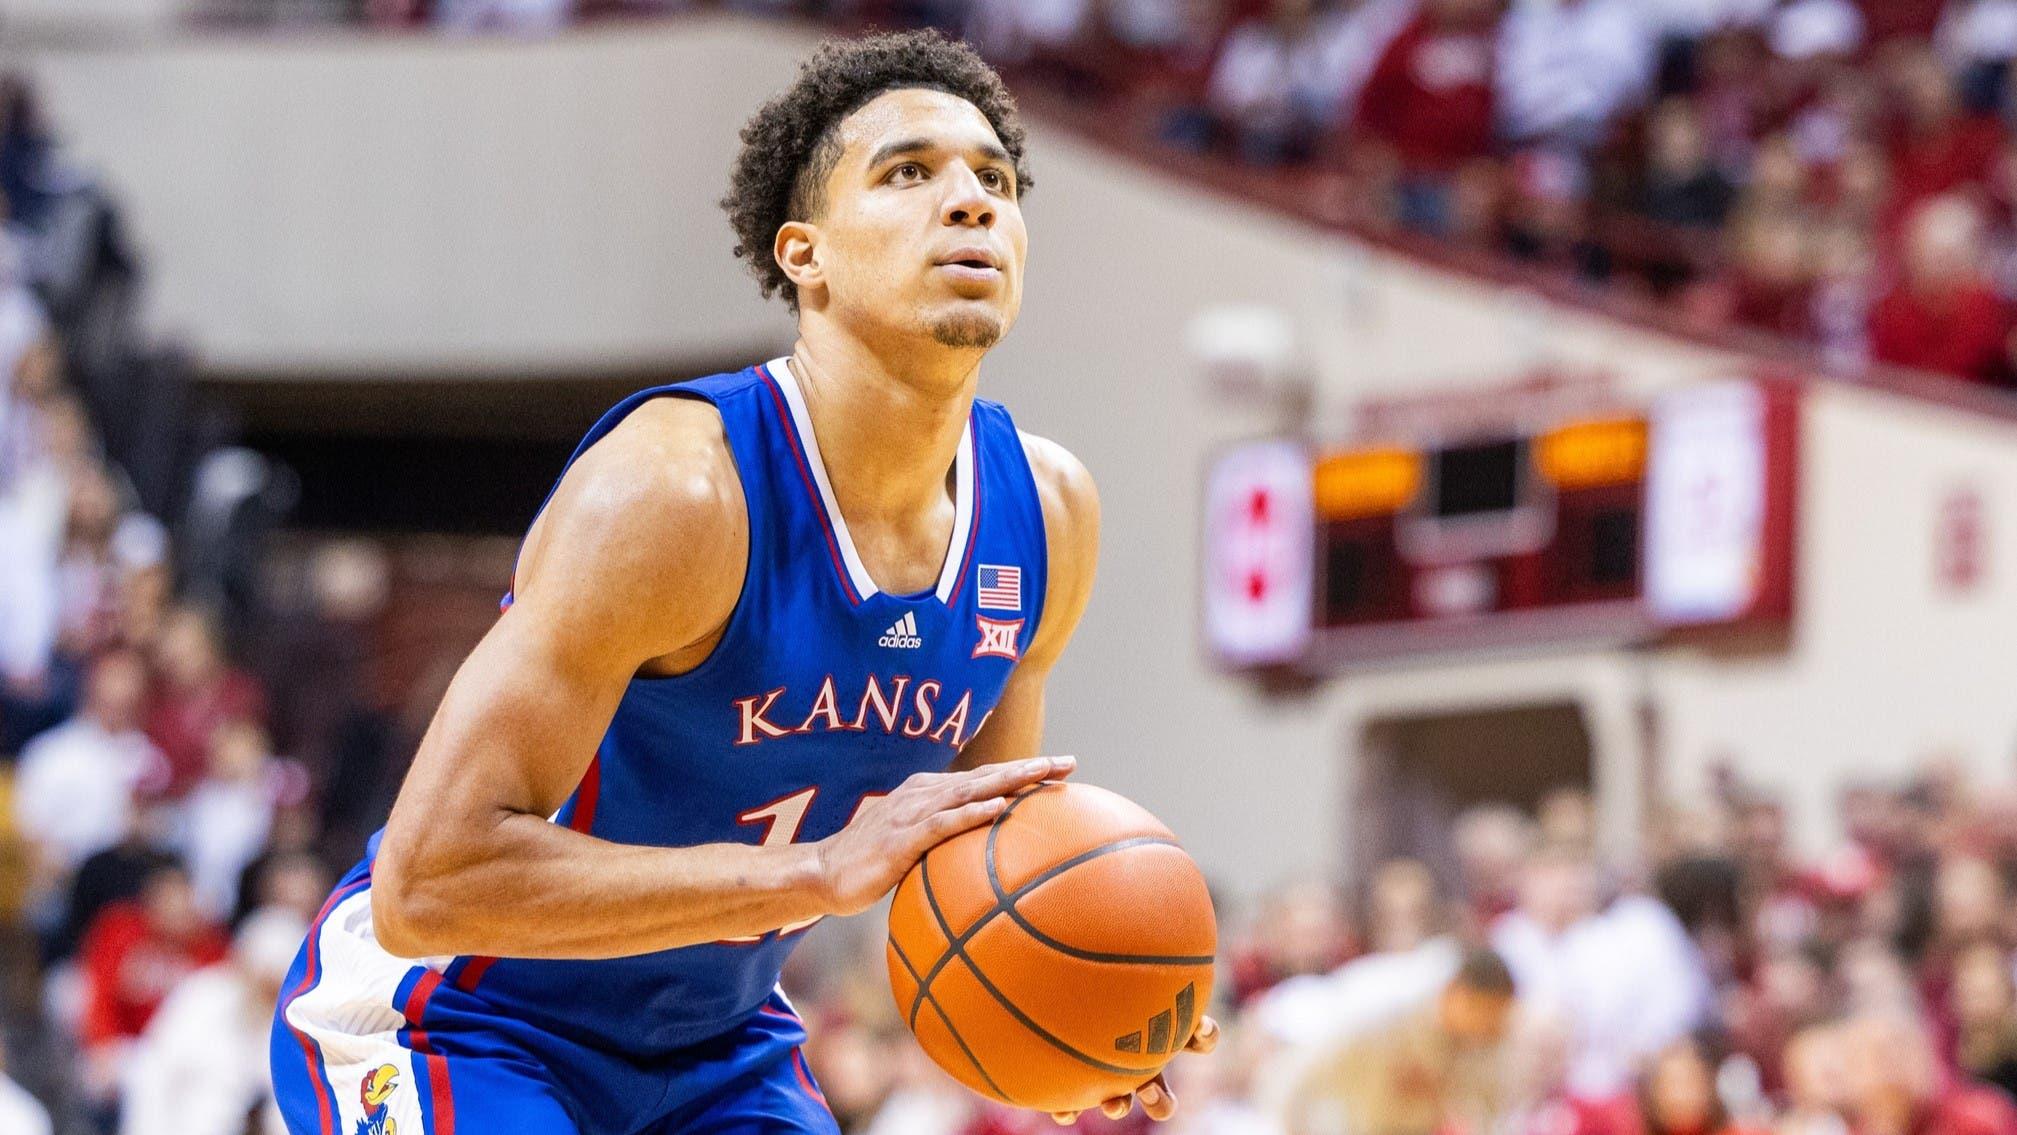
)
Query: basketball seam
[
  {"x": 1005, "y": 903},
  {"x": 959, "y": 950},
  {"x": 924, "y": 983},
  {"x": 950, "y": 1028},
  {"x": 1006, "y": 906}
]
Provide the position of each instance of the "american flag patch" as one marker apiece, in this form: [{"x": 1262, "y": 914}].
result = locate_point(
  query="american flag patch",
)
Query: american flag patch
[{"x": 1001, "y": 588}]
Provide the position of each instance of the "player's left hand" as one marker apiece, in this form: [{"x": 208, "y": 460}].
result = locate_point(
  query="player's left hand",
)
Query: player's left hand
[{"x": 1155, "y": 1095}]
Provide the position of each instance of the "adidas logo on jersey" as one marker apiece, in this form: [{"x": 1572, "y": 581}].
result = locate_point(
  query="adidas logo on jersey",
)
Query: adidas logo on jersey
[{"x": 902, "y": 633}]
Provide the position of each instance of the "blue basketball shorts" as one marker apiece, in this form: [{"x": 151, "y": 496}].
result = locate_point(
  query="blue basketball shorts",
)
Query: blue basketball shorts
[{"x": 365, "y": 1043}]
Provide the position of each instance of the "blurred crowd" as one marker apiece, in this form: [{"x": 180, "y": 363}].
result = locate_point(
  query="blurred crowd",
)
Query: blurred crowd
[
  {"x": 188, "y": 752},
  {"x": 1524, "y": 985},
  {"x": 1838, "y": 172},
  {"x": 159, "y": 860}
]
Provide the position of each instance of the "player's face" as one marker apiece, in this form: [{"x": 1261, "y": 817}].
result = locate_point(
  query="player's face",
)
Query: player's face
[{"x": 922, "y": 232}]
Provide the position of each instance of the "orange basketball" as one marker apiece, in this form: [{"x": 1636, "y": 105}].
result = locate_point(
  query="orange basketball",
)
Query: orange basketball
[{"x": 1057, "y": 957}]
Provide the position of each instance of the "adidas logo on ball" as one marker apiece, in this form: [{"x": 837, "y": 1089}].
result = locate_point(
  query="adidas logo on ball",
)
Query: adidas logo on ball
[
  {"x": 1161, "y": 1037},
  {"x": 902, "y": 634}
]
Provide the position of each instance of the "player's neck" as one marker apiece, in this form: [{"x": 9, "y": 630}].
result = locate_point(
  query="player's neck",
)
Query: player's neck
[{"x": 888, "y": 427}]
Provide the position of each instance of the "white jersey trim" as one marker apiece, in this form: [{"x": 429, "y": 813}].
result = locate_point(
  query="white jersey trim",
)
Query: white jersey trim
[{"x": 963, "y": 491}]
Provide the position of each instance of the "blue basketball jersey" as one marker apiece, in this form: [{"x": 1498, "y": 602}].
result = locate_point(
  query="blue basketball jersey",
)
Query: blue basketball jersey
[{"x": 823, "y": 692}]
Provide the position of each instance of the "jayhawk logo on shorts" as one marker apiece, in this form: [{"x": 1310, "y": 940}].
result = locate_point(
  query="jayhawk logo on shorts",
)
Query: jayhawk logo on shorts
[{"x": 376, "y": 1089}]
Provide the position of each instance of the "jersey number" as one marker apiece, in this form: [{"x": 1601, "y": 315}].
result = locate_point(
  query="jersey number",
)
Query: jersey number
[{"x": 781, "y": 820}]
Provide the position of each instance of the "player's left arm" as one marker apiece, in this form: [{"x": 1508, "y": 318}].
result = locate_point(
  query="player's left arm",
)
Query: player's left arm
[{"x": 1071, "y": 507}]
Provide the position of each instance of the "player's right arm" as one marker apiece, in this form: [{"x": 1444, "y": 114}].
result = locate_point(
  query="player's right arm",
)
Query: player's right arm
[{"x": 637, "y": 559}]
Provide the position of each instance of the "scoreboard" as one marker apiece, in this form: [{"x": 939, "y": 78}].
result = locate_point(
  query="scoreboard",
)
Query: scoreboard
[{"x": 1548, "y": 512}]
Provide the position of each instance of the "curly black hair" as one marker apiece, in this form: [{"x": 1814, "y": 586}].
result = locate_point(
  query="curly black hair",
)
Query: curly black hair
[{"x": 792, "y": 144}]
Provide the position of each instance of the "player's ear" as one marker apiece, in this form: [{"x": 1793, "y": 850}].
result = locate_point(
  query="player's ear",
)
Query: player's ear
[{"x": 796, "y": 250}]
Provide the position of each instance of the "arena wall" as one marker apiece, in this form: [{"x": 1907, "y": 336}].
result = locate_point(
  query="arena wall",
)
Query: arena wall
[
  {"x": 91, "y": 17},
  {"x": 331, "y": 202},
  {"x": 299, "y": 218},
  {"x": 1896, "y": 664}
]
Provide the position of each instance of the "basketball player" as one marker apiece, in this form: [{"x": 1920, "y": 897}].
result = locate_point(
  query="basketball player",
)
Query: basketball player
[{"x": 753, "y": 626}]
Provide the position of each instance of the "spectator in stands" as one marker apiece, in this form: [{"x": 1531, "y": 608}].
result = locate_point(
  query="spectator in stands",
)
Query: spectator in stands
[
  {"x": 1971, "y": 901},
  {"x": 229, "y": 814},
  {"x": 286, "y": 873},
  {"x": 393, "y": 13},
  {"x": 316, "y": 662},
  {"x": 24, "y": 326},
  {"x": 1984, "y": 1008},
  {"x": 1566, "y": 818},
  {"x": 1568, "y": 68},
  {"x": 1299, "y": 929},
  {"x": 857, "y": 1065},
  {"x": 1419, "y": 1060},
  {"x": 1546, "y": 211},
  {"x": 1770, "y": 872},
  {"x": 1891, "y": 21},
  {"x": 532, "y": 17},
  {"x": 1700, "y": 881},
  {"x": 1763, "y": 1018},
  {"x": 197, "y": 691},
  {"x": 1816, "y": 1082},
  {"x": 1557, "y": 899},
  {"x": 133, "y": 957},
  {"x": 284, "y": 879},
  {"x": 1217, "y": 1095},
  {"x": 1845, "y": 271},
  {"x": 1735, "y": 96},
  {"x": 1809, "y": 29},
  {"x": 26, "y": 153},
  {"x": 1683, "y": 188},
  {"x": 73, "y": 794},
  {"x": 1491, "y": 843},
  {"x": 1330, "y": 68},
  {"x": 1937, "y": 146},
  {"x": 1165, "y": 44},
  {"x": 46, "y": 448},
  {"x": 1677, "y": 1093},
  {"x": 87, "y": 572},
  {"x": 1403, "y": 907},
  {"x": 1250, "y": 100},
  {"x": 1895, "y": 1085},
  {"x": 146, "y": 585},
  {"x": 1626, "y": 978},
  {"x": 20, "y": 1113},
  {"x": 116, "y": 874},
  {"x": 1871, "y": 971},
  {"x": 1015, "y": 32},
  {"x": 1769, "y": 284},
  {"x": 201, "y": 1066},
  {"x": 1977, "y": 36},
  {"x": 1942, "y": 314},
  {"x": 1428, "y": 107}
]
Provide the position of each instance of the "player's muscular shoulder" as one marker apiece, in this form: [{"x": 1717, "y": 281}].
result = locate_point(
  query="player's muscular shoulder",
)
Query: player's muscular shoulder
[
  {"x": 644, "y": 544},
  {"x": 1071, "y": 508},
  {"x": 1071, "y": 503}
]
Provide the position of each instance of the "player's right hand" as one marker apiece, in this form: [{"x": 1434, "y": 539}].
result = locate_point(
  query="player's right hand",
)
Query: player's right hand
[{"x": 861, "y": 862}]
